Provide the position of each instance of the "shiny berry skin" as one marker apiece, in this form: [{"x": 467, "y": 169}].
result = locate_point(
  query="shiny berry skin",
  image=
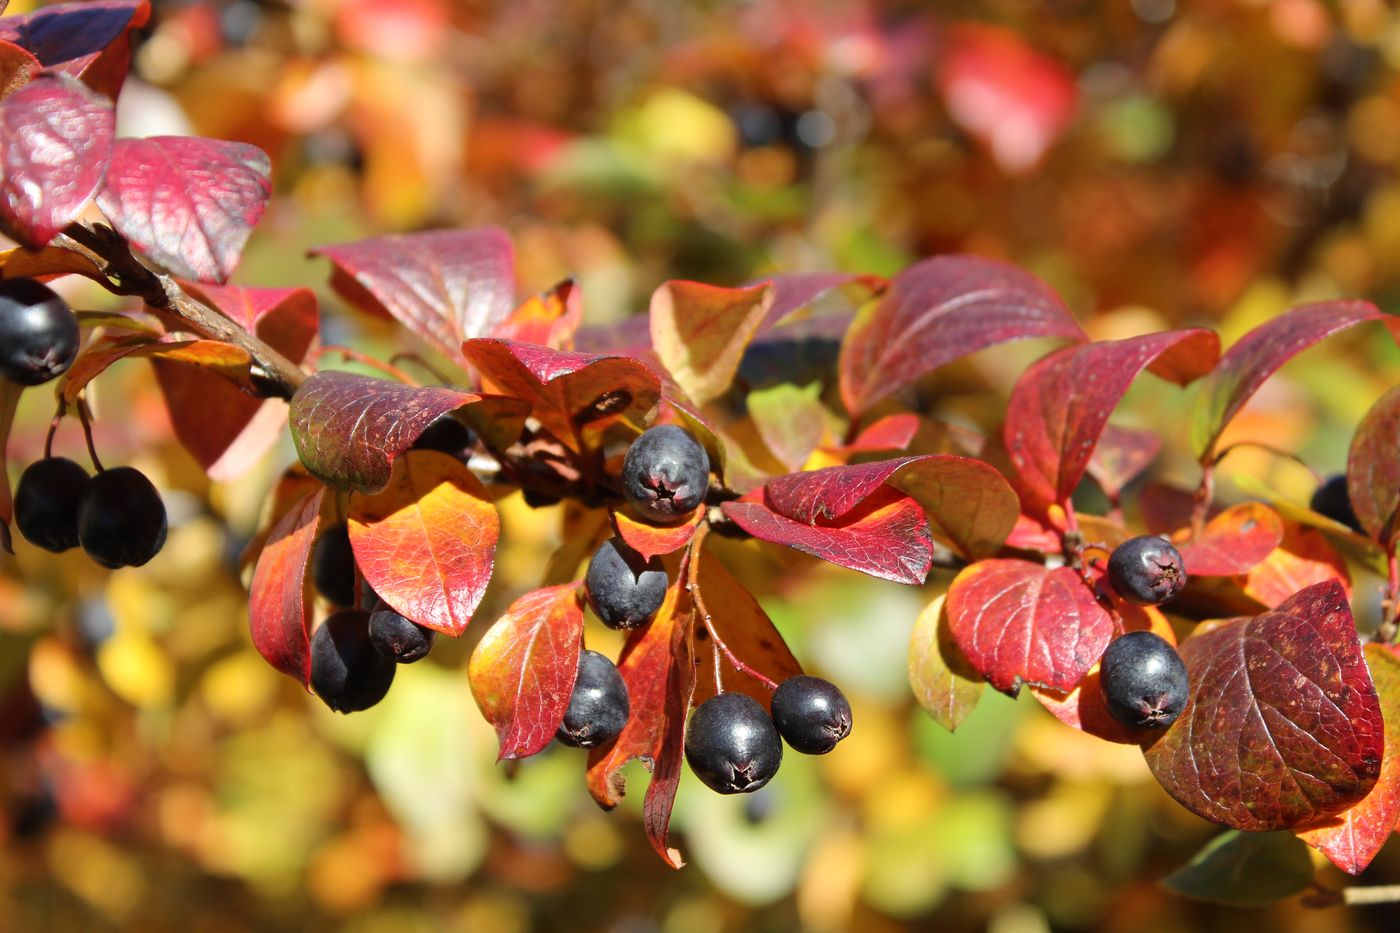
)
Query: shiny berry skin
[
  {"x": 666, "y": 473},
  {"x": 401, "y": 640},
  {"x": 732, "y": 744},
  {"x": 624, "y": 590},
  {"x": 598, "y": 707},
  {"x": 46, "y": 503},
  {"x": 333, "y": 565},
  {"x": 1144, "y": 681},
  {"x": 121, "y": 518},
  {"x": 1332, "y": 500},
  {"x": 811, "y": 714},
  {"x": 1146, "y": 570},
  {"x": 39, "y": 334},
  {"x": 346, "y": 672},
  {"x": 445, "y": 434}
]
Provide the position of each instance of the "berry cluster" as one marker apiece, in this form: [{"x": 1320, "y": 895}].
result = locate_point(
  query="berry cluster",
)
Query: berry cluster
[{"x": 1143, "y": 679}]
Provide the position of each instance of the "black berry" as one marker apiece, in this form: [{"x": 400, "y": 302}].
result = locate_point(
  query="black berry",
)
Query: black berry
[
  {"x": 1332, "y": 500},
  {"x": 346, "y": 672},
  {"x": 623, "y": 589},
  {"x": 1143, "y": 680},
  {"x": 811, "y": 714},
  {"x": 732, "y": 744},
  {"x": 333, "y": 565},
  {"x": 38, "y": 332},
  {"x": 445, "y": 434},
  {"x": 46, "y": 503},
  {"x": 121, "y": 519},
  {"x": 398, "y": 639},
  {"x": 665, "y": 473},
  {"x": 1146, "y": 570},
  {"x": 598, "y": 707}
]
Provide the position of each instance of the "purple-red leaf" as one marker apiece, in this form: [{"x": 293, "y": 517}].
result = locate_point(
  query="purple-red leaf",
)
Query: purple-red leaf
[
  {"x": 1373, "y": 468},
  {"x": 73, "y": 35},
  {"x": 1283, "y": 728},
  {"x": 445, "y": 285},
  {"x": 1234, "y": 541},
  {"x": 1019, "y": 622},
  {"x": 188, "y": 203},
  {"x": 1061, "y": 404},
  {"x": 348, "y": 428},
  {"x": 1120, "y": 457},
  {"x": 1255, "y": 357},
  {"x": 279, "y": 614},
  {"x": 522, "y": 671},
  {"x": 795, "y": 292},
  {"x": 940, "y": 310},
  {"x": 55, "y": 144}
]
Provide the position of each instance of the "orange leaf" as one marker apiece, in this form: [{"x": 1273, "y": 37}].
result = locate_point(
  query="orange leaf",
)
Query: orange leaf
[
  {"x": 700, "y": 332},
  {"x": 215, "y": 356},
  {"x": 1233, "y": 541},
  {"x": 427, "y": 541},
  {"x": 1302, "y": 559},
  {"x": 649, "y": 540}
]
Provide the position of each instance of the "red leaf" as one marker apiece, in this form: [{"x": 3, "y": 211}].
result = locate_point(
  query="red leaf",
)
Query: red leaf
[
  {"x": 279, "y": 614},
  {"x": 1302, "y": 558},
  {"x": 522, "y": 671},
  {"x": 549, "y": 319},
  {"x": 18, "y": 67},
  {"x": 426, "y": 542},
  {"x": 73, "y": 35},
  {"x": 651, "y": 540},
  {"x": 445, "y": 285},
  {"x": 1014, "y": 100},
  {"x": 224, "y": 429},
  {"x": 348, "y": 428},
  {"x": 1283, "y": 727},
  {"x": 938, "y": 311},
  {"x": 670, "y": 748},
  {"x": 1019, "y": 622},
  {"x": 1373, "y": 468},
  {"x": 892, "y": 432},
  {"x": 1233, "y": 541},
  {"x": 1121, "y": 456},
  {"x": 886, "y": 536},
  {"x": 55, "y": 143},
  {"x": 1352, "y": 838},
  {"x": 1061, "y": 404},
  {"x": 574, "y": 396},
  {"x": 189, "y": 203},
  {"x": 1255, "y": 357},
  {"x": 699, "y": 332}
]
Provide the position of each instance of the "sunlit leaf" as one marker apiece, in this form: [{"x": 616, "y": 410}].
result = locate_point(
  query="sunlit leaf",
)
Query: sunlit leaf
[
  {"x": 1303, "y": 558},
  {"x": 700, "y": 332},
  {"x": 213, "y": 356},
  {"x": 650, "y": 540},
  {"x": 279, "y": 614},
  {"x": 1234, "y": 541},
  {"x": 18, "y": 66},
  {"x": 549, "y": 319},
  {"x": 48, "y": 263},
  {"x": 791, "y": 421},
  {"x": 942, "y": 679}
]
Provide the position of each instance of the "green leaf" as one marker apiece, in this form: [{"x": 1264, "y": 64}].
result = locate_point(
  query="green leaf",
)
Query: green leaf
[{"x": 1244, "y": 870}]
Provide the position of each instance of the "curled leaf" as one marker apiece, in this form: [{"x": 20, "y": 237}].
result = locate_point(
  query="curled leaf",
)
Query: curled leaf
[{"x": 279, "y": 614}]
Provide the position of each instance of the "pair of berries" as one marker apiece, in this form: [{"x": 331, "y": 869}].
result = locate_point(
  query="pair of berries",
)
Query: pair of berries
[
  {"x": 116, "y": 516},
  {"x": 1143, "y": 679},
  {"x": 734, "y": 746}
]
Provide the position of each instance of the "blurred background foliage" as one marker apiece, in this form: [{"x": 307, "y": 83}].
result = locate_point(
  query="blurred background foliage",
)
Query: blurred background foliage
[{"x": 1161, "y": 162}]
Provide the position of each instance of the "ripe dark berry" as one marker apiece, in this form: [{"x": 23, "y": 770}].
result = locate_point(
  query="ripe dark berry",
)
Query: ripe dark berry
[
  {"x": 1143, "y": 680},
  {"x": 46, "y": 503},
  {"x": 445, "y": 434},
  {"x": 598, "y": 707},
  {"x": 811, "y": 714},
  {"x": 1146, "y": 570},
  {"x": 38, "y": 333},
  {"x": 398, "y": 639},
  {"x": 732, "y": 744},
  {"x": 346, "y": 672},
  {"x": 1332, "y": 500},
  {"x": 333, "y": 565},
  {"x": 665, "y": 473},
  {"x": 623, "y": 589},
  {"x": 121, "y": 519}
]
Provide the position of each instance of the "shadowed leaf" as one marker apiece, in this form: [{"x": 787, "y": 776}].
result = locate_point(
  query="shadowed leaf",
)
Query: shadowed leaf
[
  {"x": 794, "y": 292},
  {"x": 426, "y": 542},
  {"x": 678, "y": 688},
  {"x": 938, "y": 311},
  {"x": 9, "y": 402},
  {"x": 1373, "y": 468},
  {"x": 942, "y": 679},
  {"x": 1019, "y": 622},
  {"x": 445, "y": 285},
  {"x": 1234, "y": 541},
  {"x": 1244, "y": 870},
  {"x": 791, "y": 421},
  {"x": 348, "y": 428},
  {"x": 55, "y": 144},
  {"x": 279, "y": 614},
  {"x": 522, "y": 671},
  {"x": 700, "y": 332},
  {"x": 1259, "y": 353},
  {"x": 1061, "y": 404},
  {"x": 1121, "y": 456},
  {"x": 1352, "y": 838},
  {"x": 1283, "y": 727},
  {"x": 71, "y": 36}
]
